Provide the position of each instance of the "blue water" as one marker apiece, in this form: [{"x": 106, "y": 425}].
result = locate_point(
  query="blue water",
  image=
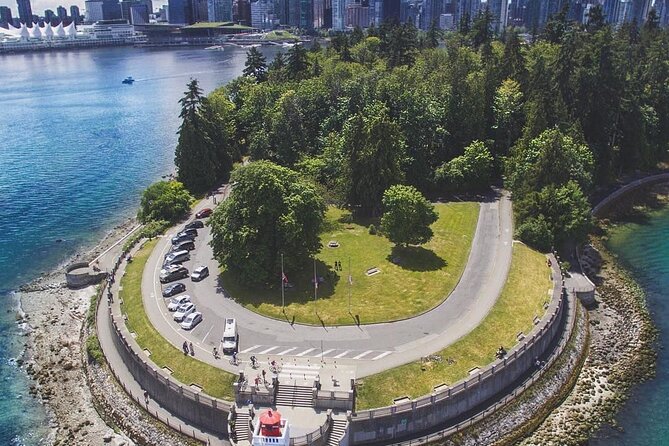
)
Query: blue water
[
  {"x": 76, "y": 149},
  {"x": 644, "y": 249}
]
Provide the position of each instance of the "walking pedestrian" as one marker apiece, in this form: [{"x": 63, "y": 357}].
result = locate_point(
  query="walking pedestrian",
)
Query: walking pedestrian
[
  {"x": 263, "y": 376},
  {"x": 146, "y": 397},
  {"x": 184, "y": 347},
  {"x": 190, "y": 347}
]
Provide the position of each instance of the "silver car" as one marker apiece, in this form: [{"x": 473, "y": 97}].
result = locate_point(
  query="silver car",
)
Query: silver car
[
  {"x": 183, "y": 311},
  {"x": 191, "y": 320},
  {"x": 176, "y": 302}
]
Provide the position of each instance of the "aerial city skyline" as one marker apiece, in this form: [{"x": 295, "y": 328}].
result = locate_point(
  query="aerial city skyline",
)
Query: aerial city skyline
[{"x": 334, "y": 14}]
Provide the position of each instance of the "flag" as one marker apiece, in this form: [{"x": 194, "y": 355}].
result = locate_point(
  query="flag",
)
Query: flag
[
  {"x": 284, "y": 279},
  {"x": 315, "y": 282},
  {"x": 350, "y": 279}
]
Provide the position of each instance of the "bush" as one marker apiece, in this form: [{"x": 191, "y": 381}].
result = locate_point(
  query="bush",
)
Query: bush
[
  {"x": 94, "y": 350},
  {"x": 372, "y": 230},
  {"x": 164, "y": 200},
  {"x": 536, "y": 233},
  {"x": 150, "y": 230}
]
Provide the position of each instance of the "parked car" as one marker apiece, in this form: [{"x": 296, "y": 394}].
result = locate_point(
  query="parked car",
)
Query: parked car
[
  {"x": 189, "y": 231},
  {"x": 191, "y": 320},
  {"x": 199, "y": 273},
  {"x": 195, "y": 224},
  {"x": 183, "y": 311},
  {"x": 188, "y": 245},
  {"x": 172, "y": 273},
  {"x": 230, "y": 336},
  {"x": 182, "y": 237},
  {"x": 178, "y": 301},
  {"x": 176, "y": 257},
  {"x": 174, "y": 289},
  {"x": 204, "y": 213}
]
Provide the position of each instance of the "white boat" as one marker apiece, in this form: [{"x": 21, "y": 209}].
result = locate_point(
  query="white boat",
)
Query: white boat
[{"x": 215, "y": 48}]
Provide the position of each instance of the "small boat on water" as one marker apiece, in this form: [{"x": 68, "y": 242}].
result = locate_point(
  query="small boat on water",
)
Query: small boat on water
[
  {"x": 128, "y": 80},
  {"x": 215, "y": 48}
]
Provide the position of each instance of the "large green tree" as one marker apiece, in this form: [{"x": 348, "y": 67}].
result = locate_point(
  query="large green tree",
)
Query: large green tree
[
  {"x": 407, "y": 216},
  {"x": 164, "y": 200},
  {"x": 470, "y": 171},
  {"x": 270, "y": 211},
  {"x": 256, "y": 65}
]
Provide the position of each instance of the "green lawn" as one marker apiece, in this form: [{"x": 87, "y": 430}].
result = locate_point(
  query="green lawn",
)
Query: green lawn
[
  {"x": 522, "y": 299},
  {"x": 421, "y": 278},
  {"x": 280, "y": 35},
  {"x": 214, "y": 381}
]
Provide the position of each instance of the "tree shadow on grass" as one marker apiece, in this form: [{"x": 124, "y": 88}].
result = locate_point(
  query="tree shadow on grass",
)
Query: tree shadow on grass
[
  {"x": 416, "y": 258},
  {"x": 301, "y": 292}
]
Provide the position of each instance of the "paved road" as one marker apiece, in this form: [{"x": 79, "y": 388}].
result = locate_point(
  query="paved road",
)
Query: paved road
[{"x": 370, "y": 348}]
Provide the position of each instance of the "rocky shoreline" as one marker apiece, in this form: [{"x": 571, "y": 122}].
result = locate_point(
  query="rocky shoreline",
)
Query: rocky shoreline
[{"x": 83, "y": 399}]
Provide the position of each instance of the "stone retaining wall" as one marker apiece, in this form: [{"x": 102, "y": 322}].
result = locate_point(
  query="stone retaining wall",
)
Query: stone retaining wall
[
  {"x": 393, "y": 423},
  {"x": 195, "y": 407}
]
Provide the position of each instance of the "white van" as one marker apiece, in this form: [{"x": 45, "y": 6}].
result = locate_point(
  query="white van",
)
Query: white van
[
  {"x": 177, "y": 257},
  {"x": 230, "y": 336}
]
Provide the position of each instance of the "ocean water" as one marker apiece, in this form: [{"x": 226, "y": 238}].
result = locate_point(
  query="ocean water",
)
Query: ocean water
[
  {"x": 644, "y": 250},
  {"x": 77, "y": 147}
]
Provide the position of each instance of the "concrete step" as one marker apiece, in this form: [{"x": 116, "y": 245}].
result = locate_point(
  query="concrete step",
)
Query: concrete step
[
  {"x": 241, "y": 432},
  {"x": 294, "y": 396},
  {"x": 337, "y": 432}
]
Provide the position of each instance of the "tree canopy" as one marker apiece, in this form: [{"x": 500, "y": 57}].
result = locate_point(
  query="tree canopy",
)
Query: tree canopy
[
  {"x": 407, "y": 216},
  {"x": 271, "y": 211},
  {"x": 164, "y": 200}
]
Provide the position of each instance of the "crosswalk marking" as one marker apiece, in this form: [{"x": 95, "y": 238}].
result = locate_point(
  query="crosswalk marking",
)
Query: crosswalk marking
[
  {"x": 381, "y": 356},
  {"x": 306, "y": 351},
  {"x": 363, "y": 354},
  {"x": 286, "y": 351},
  {"x": 268, "y": 350},
  {"x": 332, "y": 353},
  {"x": 251, "y": 348}
]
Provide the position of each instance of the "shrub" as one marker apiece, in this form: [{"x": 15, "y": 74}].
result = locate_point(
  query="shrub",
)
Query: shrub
[
  {"x": 94, "y": 350},
  {"x": 372, "y": 230}
]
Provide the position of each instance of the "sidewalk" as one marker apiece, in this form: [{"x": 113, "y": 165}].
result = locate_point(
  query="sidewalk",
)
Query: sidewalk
[{"x": 119, "y": 368}]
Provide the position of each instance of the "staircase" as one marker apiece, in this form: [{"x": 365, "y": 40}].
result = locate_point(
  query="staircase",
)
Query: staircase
[
  {"x": 336, "y": 432},
  {"x": 241, "y": 432},
  {"x": 294, "y": 396}
]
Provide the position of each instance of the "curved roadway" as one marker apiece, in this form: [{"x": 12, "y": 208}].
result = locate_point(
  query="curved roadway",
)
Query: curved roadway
[{"x": 367, "y": 348}]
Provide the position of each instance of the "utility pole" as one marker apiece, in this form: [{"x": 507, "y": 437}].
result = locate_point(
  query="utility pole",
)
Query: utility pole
[{"x": 283, "y": 283}]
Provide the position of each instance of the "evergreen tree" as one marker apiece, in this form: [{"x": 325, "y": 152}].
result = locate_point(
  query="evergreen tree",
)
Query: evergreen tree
[
  {"x": 482, "y": 32},
  {"x": 297, "y": 63},
  {"x": 433, "y": 35},
  {"x": 195, "y": 156},
  {"x": 256, "y": 65},
  {"x": 596, "y": 19}
]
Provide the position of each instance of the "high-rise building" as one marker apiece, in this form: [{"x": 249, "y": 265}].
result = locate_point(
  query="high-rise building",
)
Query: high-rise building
[
  {"x": 243, "y": 16},
  {"x": 111, "y": 10},
  {"x": 640, "y": 9},
  {"x": 318, "y": 14},
  {"x": 201, "y": 11},
  {"x": 5, "y": 16},
  {"x": 180, "y": 12},
  {"x": 93, "y": 11},
  {"x": 75, "y": 14},
  {"x": 327, "y": 14},
  {"x": 62, "y": 13},
  {"x": 49, "y": 15},
  {"x": 446, "y": 21},
  {"x": 662, "y": 8},
  {"x": 432, "y": 9},
  {"x": 499, "y": 9},
  {"x": 262, "y": 14},
  {"x": 338, "y": 15},
  {"x": 219, "y": 10},
  {"x": 357, "y": 15},
  {"x": 306, "y": 14},
  {"x": 25, "y": 12},
  {"x": 391, "y": 10}
]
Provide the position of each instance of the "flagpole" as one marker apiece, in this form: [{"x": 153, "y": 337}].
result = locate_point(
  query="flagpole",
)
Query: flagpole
[
  {"x": 283, "y": 282},
  {"x": 350, "y": 279}
]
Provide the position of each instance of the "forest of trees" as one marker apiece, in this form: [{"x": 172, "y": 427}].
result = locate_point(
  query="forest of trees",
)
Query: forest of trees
[{"x": 549, "y": 119}]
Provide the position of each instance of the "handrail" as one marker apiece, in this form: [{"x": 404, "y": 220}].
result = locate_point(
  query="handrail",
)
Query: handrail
[{"x": 315, "y": 435}]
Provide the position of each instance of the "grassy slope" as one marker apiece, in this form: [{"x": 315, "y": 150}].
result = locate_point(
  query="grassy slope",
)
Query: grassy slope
[
  {"x": 214, "y": 382},
  {"x": 521, "y": 300},
  {"x": 424, "y": 277}
]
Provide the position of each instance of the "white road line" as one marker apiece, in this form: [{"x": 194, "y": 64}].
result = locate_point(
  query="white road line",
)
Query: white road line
[
  {"x": 288, "y": 366},
  {"x": 363, "y": 354},
  {"x": 326, "y": 352},
  {"x": 205, "y": 336},
  {"x": 305, "y": 352},
  {"x": 268, "y": 350},
  {"x": 343, "y": 354},
  {"x": 381, "y": 356},
  {"x": 250, "y": 349},
  {"x": 286, "y": 351}
]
